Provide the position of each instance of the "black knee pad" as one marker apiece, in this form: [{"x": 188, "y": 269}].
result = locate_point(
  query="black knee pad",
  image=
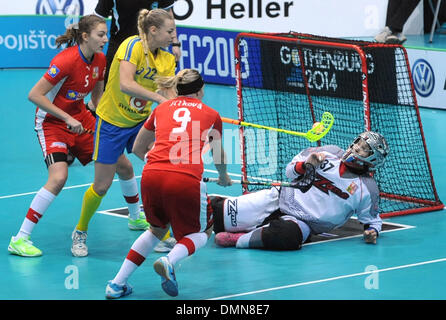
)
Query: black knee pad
[
  {"x": 217, "y": 208},
  {"x": 282, "y": 235}
]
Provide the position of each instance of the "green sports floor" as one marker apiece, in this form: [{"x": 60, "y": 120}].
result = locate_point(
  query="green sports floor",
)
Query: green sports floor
[{"x": 408, "y": 263}]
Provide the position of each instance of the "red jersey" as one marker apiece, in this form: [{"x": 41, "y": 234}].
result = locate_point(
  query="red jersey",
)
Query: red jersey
[
  {"x": 181, "y": 128},
  {"x": 73, "y": 78}
]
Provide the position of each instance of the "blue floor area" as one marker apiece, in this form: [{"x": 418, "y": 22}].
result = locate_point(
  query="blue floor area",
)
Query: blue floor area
[
  {"x": 417, "y": 42},
  {"x": 421, "y": 42},
  {"x": 409, "y": 264}
]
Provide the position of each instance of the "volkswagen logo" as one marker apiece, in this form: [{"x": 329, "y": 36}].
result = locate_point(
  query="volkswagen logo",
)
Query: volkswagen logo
[
  {"x": 60, "y": 7},
  {"x": 423, "y": 77}
]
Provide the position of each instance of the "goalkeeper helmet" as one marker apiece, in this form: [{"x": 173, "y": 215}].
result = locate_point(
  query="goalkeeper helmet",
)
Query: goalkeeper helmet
[{"x": 368, "y": 150}]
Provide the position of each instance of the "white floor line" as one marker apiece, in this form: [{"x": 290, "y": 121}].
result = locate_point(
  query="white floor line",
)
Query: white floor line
[
  {"x": 88, "y": 184},
  {"x": 402, "y": 227},
  {"x": 34, "y": 192},
  {"x": 301, "y": 284},
  {"x": 351, "y": 237},
  {"x": 113, "y": 214}
]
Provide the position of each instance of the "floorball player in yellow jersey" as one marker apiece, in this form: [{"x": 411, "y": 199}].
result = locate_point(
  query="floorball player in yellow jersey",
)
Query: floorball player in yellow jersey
[{"x": 125, "y": 105}]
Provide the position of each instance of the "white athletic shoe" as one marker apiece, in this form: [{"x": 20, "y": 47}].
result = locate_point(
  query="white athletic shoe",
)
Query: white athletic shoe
[
  {"x": 165, "y": 269},
  {"x": 79, "y": 247},
  {"x": 382, "y": 36},
  {"x": 166, "y": 245},
  {"x": 387, "y": 36},
  {"x": 116, "y": 291},
  {"x": 396, "y": 38}
]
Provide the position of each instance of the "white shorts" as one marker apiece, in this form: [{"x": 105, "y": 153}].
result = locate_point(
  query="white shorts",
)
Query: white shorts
[{"x": 246, "y": 212}]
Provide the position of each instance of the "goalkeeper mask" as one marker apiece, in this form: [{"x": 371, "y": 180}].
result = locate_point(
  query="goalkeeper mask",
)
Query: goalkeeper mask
[{"x": 368, "y": 151}]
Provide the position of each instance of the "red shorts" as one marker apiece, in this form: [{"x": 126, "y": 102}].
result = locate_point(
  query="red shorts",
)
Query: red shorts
[
  {"x": 55, "y": 137},
  {"x": 176, "y": 198}
]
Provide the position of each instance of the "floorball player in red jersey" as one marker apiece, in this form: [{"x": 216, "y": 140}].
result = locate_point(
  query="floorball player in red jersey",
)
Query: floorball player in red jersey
[
  {"x": 62, "y": 120},
  {"x": 172, "y": 190}
]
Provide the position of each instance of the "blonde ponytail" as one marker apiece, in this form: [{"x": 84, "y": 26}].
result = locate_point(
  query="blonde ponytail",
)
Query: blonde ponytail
[
  {"x": 147, "y": 19},
  {"x": 168, "y": 86}
]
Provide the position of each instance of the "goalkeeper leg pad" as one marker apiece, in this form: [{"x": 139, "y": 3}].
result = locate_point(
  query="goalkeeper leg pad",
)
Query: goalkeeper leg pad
[{"x": 282, "y": 235}]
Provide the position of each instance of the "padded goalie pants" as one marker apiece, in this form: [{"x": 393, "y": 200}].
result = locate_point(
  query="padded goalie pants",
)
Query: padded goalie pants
[{"x": 260, "y": 210}]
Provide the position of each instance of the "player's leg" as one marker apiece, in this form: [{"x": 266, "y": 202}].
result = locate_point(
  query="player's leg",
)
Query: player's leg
[
  {"x": 245, "y": 212},
  {"x": 57, "y": 176},
  {"x": 103, "y": 178},
  {"x": 129, "y": 188},
  {"x": 284, "y": 233},
  {"x": 108, "y": 148},
  {"x": 400, "y": 13},
  {"x": 186, "y": 204},
  {"x": 237, "y": 215},
  {"x": 83, "y": 150},
  {"x": 118, "y": 287},
  {"x": 54, "y": 143}
]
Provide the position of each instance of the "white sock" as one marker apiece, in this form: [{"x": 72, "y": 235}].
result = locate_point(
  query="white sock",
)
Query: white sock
[
  {"x": 39, "y": 205},
  {"x": 243, "y": 241},
  {"x": 251, "y": 239},
  {"x": 136, "y": 256},
  {"x": 187, "y": 246},
  {"x": 130, "y": 192}
]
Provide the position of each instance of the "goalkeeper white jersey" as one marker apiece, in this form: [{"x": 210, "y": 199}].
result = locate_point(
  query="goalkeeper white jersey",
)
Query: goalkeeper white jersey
[{"x": 332, "y": 199}]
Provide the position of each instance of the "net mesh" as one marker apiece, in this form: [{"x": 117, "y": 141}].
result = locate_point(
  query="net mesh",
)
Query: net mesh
[{"x": 288, "y": 80}]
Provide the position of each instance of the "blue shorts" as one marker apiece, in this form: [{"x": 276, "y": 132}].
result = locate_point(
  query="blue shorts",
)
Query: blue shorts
[{"x": 110, "y": 141}]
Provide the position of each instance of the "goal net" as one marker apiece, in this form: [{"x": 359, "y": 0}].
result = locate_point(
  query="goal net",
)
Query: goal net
[{"x": 288, "y": 80}]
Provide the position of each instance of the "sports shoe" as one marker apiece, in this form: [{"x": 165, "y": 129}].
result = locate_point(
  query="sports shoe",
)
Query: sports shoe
[
  {"x": 166, "y": 245},
  {"x": 227, "y": 239},
  {"x": 79, "y": 247},
  {"x": 115, "y": 291},
  {"x": 140, "y": 223},
  {"x": 165, "y": 269},
  {"x": 23, "y": 247},
  {"x": 395, "y": 38},
  {"x": 382, "y": 36}
]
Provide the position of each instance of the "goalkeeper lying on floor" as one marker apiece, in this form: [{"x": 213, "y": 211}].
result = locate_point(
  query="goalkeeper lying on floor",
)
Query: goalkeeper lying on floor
[{"x": 341, "y": 185}]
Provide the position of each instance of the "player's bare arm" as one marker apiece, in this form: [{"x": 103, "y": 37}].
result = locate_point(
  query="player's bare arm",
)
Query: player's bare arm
[
  {"x": 128, "y": 85},
  {"x": 37, "y": 95},
  {"x": 219, "y": 158},
  {"x": 143, "y": 141},
  {"x": 96, "y": 95}
]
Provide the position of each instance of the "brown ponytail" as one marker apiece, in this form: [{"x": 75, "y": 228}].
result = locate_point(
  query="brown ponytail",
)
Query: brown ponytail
[{"x": 73, "y": 34}]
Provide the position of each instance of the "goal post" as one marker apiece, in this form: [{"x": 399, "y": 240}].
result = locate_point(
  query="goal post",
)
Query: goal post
[{"x": 289, "y": 80}]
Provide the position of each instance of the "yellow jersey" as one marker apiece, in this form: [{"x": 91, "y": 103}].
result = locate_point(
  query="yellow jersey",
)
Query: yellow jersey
[{"x": 119, "y": 108}]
